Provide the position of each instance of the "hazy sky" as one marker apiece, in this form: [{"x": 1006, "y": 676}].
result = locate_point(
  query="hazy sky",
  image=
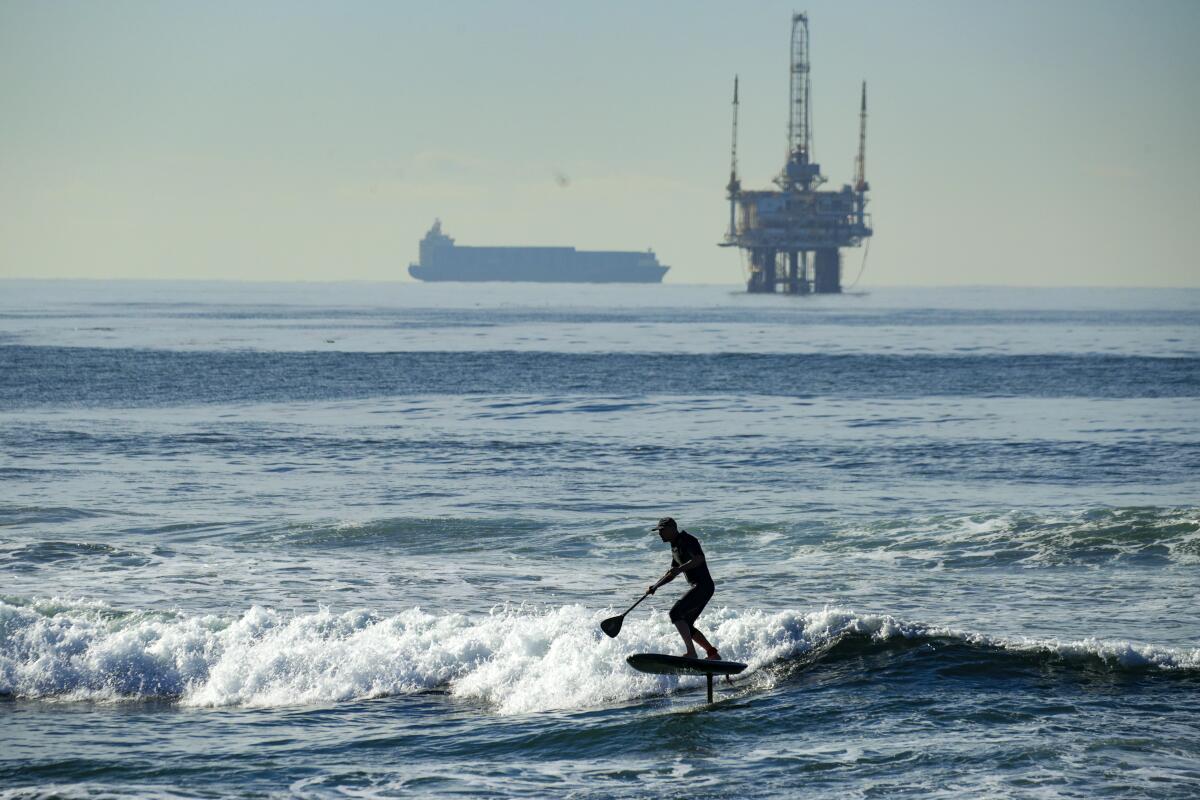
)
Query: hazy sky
[{"x": 1017, "y": 143}]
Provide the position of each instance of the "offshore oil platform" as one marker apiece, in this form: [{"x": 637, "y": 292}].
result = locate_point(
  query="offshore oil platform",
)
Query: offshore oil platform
[{"x": 782, "y": 229}]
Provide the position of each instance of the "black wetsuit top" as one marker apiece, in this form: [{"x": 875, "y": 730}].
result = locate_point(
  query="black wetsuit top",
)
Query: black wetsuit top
[{"x": 684, "y": 549}]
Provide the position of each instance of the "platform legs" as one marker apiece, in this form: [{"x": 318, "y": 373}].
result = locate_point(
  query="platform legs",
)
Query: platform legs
[
  {"x": 827, "y": 272},
  {"x": 789, "y": 271},
  {"x": 710, "y": 687},
  {"x": 762, "y": 271}
]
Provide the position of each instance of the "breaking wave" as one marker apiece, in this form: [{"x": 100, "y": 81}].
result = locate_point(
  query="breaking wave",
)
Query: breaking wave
[{"x": 514, "y": 660}]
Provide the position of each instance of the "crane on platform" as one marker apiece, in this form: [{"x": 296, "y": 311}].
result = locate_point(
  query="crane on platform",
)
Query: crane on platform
[{"x": 799, "y": 169}]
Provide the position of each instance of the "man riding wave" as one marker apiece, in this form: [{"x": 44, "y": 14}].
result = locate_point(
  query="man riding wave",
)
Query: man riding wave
[{"x": 688, "y": 558}]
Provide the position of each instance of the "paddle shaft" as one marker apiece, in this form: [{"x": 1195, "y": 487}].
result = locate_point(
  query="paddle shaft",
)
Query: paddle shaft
[
  {"x": 635, "y": 605},
  {"x": 643, "y": 597}
]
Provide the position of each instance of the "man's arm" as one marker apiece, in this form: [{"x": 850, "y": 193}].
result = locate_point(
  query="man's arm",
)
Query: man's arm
[
  {"x": 667, "y": 577},
  {"x": 674, "y": 571}
]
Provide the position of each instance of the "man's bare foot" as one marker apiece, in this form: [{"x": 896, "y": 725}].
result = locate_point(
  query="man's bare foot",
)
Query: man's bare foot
[
  {"x": 713, "y": 655},
  {"x": 691, "y": 654}
]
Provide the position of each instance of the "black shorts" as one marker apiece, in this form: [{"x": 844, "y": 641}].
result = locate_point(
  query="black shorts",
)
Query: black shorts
[{"x": 689, "y": 606}]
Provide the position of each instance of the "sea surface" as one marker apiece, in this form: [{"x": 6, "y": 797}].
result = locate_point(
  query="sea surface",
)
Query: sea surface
[{"x": 355, "y": 540}]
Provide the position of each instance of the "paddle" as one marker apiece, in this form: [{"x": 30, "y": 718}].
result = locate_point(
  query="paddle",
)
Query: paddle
[{"x": 612, "y": 625}]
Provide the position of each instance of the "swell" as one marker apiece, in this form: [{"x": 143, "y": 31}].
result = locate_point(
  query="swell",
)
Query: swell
[
  {"x": 70, "y": 376},
  {"x": 1031, "y": 460},
  {"x": 1143, "y": 536},
  {"x": 514, "y": 660}
]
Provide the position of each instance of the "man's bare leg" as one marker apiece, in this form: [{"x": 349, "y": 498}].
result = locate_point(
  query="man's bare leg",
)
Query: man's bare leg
[
  {"x": 709, "y": 650},
  {"x": 685, "y": 630}
]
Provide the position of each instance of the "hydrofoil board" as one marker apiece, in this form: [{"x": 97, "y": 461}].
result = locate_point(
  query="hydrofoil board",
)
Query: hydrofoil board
[{"x": 662, "y": 664}]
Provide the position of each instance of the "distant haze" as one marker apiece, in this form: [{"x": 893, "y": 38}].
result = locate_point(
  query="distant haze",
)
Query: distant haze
[{"x": 1019, "y": 143}]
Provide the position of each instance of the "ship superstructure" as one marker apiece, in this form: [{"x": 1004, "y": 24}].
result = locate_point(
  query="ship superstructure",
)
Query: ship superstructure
[
  {"x": 443, "y": 260},
  {"x": 794, "y": 234}
]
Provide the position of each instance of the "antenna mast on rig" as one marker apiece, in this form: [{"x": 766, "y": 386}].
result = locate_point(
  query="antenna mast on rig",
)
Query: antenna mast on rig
[
  {"x": 735, "y": 186},
  {"x": 860, "y": 163}
]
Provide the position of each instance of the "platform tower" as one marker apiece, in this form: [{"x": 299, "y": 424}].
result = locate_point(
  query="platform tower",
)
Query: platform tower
[{"x": 794, "y": 234}]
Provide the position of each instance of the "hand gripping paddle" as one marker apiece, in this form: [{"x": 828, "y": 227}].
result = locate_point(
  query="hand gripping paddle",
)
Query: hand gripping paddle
[{"x": 612, "y": 625}]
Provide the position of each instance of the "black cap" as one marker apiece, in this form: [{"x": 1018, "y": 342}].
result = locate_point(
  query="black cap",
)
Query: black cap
[{"x": 664, "y": 524}]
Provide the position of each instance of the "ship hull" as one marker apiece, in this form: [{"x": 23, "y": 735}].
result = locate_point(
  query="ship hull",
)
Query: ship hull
[
  {"x": 444, "y": 260},
  {"x": 564, "y": 275}
]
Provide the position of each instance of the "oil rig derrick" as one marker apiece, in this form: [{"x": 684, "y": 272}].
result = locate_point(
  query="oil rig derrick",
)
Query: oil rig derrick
[{"x": 794, "y": 235}]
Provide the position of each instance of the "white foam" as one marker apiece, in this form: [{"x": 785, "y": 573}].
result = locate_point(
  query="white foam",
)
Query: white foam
[{"x": 515, "y": 660}]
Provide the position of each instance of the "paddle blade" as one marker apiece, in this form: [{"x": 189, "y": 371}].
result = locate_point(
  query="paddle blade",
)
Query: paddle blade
[{"x": 612, "y": 626}]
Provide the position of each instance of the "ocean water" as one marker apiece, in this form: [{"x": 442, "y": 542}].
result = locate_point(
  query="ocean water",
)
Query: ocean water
[{"x": 356, "y": 539}]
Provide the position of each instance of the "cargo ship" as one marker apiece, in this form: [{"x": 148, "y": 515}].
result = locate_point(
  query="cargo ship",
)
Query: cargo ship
[{"x": 442, "y": 260}]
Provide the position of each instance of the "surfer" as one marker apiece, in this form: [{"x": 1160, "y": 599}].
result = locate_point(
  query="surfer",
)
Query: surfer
[{"x": 688, "y": 558}]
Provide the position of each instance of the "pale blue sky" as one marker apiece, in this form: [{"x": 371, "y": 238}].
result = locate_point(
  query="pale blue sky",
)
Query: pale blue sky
[{"x": 1020, "y": 142}]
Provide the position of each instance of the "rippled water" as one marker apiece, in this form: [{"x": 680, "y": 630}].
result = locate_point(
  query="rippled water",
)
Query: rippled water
[{"x": 336, "y": 539}]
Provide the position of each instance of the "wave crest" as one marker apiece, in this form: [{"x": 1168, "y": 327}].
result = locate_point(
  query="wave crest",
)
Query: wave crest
[{"x": 515, "y": 659}]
